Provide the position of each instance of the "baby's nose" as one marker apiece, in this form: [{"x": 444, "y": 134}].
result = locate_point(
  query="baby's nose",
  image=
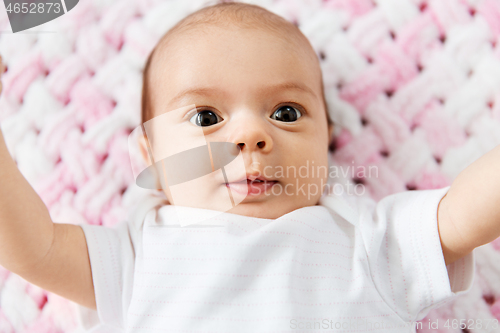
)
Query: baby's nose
[
  {"x": 252, "y": 136},
  {"x": 260, "y": 144}
]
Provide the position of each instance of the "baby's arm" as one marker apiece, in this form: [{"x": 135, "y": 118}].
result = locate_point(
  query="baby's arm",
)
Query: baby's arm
[
  {"x": 469, "y": 214},
  {"x": 51, "y": 255}
]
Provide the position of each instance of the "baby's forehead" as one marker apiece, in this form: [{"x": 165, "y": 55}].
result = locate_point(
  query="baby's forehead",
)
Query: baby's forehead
[
  {"x": 259, "y": 55},
  {"x": 193, "y": 37},
  {"x": 237, "y": 16},
  {"x": 177, "y": 40}
]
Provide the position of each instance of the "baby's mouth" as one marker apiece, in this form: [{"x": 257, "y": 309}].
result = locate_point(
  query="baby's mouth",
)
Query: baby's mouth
[{"x": 251, "y": 187}]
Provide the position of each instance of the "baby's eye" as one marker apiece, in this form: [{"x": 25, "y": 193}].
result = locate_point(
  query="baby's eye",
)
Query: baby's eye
[
  {"x": 286, "y": 113},
  {"x": 205, "y": 118}
]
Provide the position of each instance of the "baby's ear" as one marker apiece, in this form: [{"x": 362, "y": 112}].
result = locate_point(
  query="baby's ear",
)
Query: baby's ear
[
  {"x": 143, "y": 147},
  {"x": 143, "y": 143}
]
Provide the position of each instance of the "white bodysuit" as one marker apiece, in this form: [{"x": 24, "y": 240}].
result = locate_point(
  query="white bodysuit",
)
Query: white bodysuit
[{"x": 343, "y": 266}]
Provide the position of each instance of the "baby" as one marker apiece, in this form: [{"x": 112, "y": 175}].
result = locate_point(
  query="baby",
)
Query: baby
[
  {"x": 284, "y": 255},
  {"x": 257, "y": 83}
]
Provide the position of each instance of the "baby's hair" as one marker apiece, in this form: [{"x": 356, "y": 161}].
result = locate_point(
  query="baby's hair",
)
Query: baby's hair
[{"x": 228, "y": 14}]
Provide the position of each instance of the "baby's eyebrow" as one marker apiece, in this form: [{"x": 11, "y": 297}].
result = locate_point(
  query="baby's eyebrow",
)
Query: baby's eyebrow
[
  {"x": 289, "y": 86},
  {"x": 212, "y": 91}
]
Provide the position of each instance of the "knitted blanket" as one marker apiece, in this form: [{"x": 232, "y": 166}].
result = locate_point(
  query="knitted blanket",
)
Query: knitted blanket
[{"x": 413, "y": 87}]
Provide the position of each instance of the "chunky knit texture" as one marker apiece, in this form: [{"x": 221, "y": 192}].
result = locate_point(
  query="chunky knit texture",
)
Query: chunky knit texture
[{"x": 413, "y": 87}]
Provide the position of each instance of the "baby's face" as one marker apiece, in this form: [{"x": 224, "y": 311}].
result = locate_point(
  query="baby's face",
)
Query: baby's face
[{"x": 255, "y": 90}]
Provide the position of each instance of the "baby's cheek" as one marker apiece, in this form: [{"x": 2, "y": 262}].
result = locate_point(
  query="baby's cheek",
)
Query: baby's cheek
[{"x": 305, "y": 179}]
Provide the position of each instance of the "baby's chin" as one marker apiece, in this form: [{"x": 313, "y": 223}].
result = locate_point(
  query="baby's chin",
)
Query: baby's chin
[
  {"x": 272, "y": 209},
  {"x": 259, "y": 206}
]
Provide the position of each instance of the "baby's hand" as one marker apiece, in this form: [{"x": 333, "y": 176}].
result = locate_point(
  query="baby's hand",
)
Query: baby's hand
[{"x": 53, "y": 256}]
